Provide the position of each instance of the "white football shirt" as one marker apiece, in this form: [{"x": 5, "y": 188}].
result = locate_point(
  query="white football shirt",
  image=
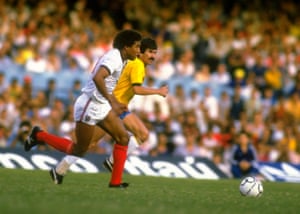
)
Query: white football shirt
[{"x": 112, "y": 60}]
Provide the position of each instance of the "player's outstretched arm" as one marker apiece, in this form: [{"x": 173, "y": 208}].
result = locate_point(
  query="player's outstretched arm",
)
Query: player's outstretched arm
[{"x": 141, "y": 90}]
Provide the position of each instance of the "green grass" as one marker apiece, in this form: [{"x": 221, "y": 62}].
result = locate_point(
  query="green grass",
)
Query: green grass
[{"x": 26, "y": 191}]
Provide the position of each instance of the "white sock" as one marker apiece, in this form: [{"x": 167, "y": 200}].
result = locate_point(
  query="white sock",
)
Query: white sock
[
  {"x": 132, "y": 146},
  {"x": 64, "y": 165}
]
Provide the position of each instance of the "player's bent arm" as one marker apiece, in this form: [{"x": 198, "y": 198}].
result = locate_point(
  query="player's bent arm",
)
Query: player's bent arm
[
  {"x": 99, "y": 77},
  {"x": 141, "y": 90}
]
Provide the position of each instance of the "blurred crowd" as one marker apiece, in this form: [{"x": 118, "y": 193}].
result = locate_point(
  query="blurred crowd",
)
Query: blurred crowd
[{"x": 231, "y": 66}]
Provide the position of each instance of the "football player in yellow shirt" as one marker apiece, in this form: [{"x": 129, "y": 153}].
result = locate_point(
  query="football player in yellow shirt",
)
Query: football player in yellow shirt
[{"x": 129, "y": 84}]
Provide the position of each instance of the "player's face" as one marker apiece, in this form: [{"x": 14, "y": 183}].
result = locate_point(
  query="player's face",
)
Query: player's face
[
  {"x": 148, "y": 56},
  {"x": 133, "y": 51}
]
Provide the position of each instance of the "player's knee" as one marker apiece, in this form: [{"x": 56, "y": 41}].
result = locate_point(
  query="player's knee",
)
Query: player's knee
[
  {"x": 122, "y": 139},
  {"x": 143, "y": 136}
]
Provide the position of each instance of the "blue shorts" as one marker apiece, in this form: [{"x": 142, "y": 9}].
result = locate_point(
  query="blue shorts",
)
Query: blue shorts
[{"x": 124, "y": 114}]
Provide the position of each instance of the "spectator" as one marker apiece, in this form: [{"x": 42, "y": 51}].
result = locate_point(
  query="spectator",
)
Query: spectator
[
  {"x": 3, "y": 83},
  {"x": 78, "y": 51},
  {"x": 264, "y": 145},
  {"x": 221, "y": 75},
  {"x": 157, "y": 119},
  {"x": 203, "y": 74},
  {"x": 37, "y": 63},
  {"x": 176, "y": 101},
  {"x": 50, "y": 92},
  {"x": 268, "y": 101},
  {"x": 192, "y": 101},
  {"x": 238, "y": 78},
  {"x": 257, "y": 126},
  {"x": 26, "y": 91},
  {"x": 259, "y": 70},
  {"x": 202, "y": 151},
  {"x": 161, "y": 149},
  {"x": 39, "y": 101},
  {"x": 3, "y": 136},
  {"x": 72, "y": 66},
  {"x": 53, "y": 63},
  {"x": 66, "y": 124},
  {"x": 249, "y": 87},
  {"x": 243, "y": 157},
  {"x": 22, "y": 132},
  {"x": 296, "y": 86},
  {"x": 237, "y": 105},
  {"x": 253, "y": 104},
  {"x": 224, "y": 106},
  {"x": 189, "y": 148},
  {"x": 202, "y": 117},
  {"x": 14, "y": 90},
  {"x": 27, "y": 52},
  {"x": 210, "y": 140},
  {"x": 235, "y": 61},
  {"x": 292, "y": 107},
  {"x": 273, "y": 78},
  {"x": 185, "y": 66},
  {"x": 164, "y": 67},
  {"x": 279, "y": 111},
  {"x": 75, "y": 91},
  {"x": 211, "y": 103},
  {"x": 5, "y": 59},
  {"x": 290, "y": 140}
]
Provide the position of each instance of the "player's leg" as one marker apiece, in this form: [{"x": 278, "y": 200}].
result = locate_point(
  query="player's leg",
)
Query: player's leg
[
  {"x": 84, "y": 134},
  {"x": 138, "y": 134},
  {"x": 83, "y": 108},
  {"x": 87, "y": 114},
  {"x": 38, "y": 136},
  {"x": 86, "y": 117},
  {"x": 98, "y": 134},
  {"x": 136, "y": 126},
  {"x": 114, "y": 126}
]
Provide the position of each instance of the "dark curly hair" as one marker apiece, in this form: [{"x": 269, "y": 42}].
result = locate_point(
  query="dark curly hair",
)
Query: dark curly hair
[{"x": 126, "y": 38}]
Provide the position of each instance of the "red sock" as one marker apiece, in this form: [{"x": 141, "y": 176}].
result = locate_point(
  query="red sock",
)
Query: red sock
[
  {"x": 59, "y": 143},
  {"x": 120, "y": 155}
]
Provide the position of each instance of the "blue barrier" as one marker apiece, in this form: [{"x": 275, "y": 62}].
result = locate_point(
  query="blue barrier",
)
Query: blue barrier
[{"x": 65, "y": 80}]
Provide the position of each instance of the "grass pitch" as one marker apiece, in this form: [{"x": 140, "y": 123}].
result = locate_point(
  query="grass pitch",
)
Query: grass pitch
[{"x": 32, "y": 192}]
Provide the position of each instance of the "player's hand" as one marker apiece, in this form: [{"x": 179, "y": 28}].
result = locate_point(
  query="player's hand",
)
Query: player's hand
[{"x": 164, "y": 90}]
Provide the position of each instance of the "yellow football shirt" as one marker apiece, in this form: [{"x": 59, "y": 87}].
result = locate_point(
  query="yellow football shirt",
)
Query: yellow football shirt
[{"x": 132, "y": 74}]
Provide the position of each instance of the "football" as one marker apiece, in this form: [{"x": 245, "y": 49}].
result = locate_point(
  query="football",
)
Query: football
[{"x": 251, "y": 187}]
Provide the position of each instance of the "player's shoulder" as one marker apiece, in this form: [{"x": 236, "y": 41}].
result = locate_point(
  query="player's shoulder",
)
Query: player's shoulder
[
  {"x": 113, "y": 53},
  {"x": 112, "y": 59},
  {"x": 136, "y": 62}
]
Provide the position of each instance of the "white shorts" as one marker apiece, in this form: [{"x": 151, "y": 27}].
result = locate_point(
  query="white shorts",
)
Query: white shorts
[{"x": 90, "y": 111}]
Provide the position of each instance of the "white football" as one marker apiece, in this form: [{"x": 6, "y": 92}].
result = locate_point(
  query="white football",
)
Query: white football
[{"x": 251, "y": 187}]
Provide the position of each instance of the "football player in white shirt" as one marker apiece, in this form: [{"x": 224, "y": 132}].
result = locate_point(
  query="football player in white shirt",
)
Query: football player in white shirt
[{"x": 96, "y": 106}]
